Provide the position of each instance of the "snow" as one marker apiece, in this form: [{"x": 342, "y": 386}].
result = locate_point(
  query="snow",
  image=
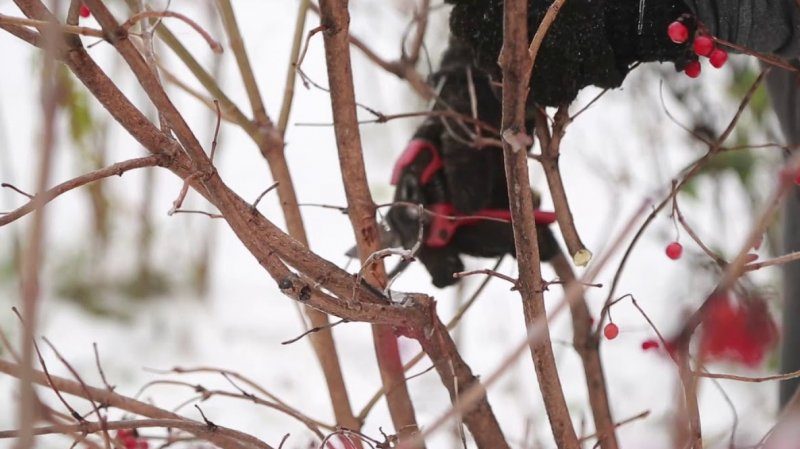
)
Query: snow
[{"x": 621, "y": 151}]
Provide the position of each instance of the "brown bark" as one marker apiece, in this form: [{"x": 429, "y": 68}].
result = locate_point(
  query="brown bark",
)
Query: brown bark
[
  {"x": 458, "y": 378},
  {"x": 221, "y": 436},
  {"x": 274, "y": 250},
  {"x": 335, "y": 19},
  {"x": 515, "y": 61},
  {"x": 587, "y": 345}
]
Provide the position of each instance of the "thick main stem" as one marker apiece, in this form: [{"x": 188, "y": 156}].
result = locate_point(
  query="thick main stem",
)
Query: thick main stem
[
  {"x": 34, "y": 248},
  {"x": 273, "y": 249},
  {"x": 271, "y": 145},
  {"x": 514, "y": 61},
  {"x": 586, "y": 343},
  {"x": 361, "y": 209}
]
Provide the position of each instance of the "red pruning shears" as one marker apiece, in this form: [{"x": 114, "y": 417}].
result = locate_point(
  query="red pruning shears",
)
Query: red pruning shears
[{"x": 445, "y": 219}]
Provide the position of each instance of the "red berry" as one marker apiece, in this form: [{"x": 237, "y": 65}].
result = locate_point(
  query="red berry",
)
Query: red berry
[
  {"x": 649, "y": 344},
  {"x": 718, "y": 58},
  {"x": 611, "y": 331},
  {"x": 142, "y": 444},
  {"x": 674, "y": 250},
  {"x": 130, "y": 443},
  {"x": 692, "y": 69},
  {"x": 797, "y": 178},
  {"x": 752, "y": 257},
  {"x": 703, "y": 45},
  {"x": 678, "y": 32},
  {"x": 84, "y": 11},
  {"x": 123, "y": 433}
]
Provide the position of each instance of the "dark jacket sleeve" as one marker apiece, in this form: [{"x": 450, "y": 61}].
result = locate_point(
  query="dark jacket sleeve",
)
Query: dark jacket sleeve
[
  {"x": 786, "y": 100},
  {"x": 770, "y": 26}
]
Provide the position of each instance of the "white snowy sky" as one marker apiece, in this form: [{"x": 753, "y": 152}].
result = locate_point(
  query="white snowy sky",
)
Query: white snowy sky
[{"x": 620, "y": 152}]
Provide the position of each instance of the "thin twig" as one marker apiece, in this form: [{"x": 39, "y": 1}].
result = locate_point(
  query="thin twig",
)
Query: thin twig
[
  {"x": 215, "y": 46},
  {"x": 109, "y": 387},
  {"x": 41, "y": 25},
  {"x": 197, "y": 212},
  {"x": 488, "y": 272},
  {"x": 291, "y": 71},
  {"x": 781, "y": 260},
  {"x": 264, "y": 193},
  {"x": 16, "y": 189},
  {"x": 535, "y": 331},
  {"x": 117, "y": 169},
  {"x": 216, "y": 132},
  {"x": 100, "y": 418},
  {"x": 312, "y": 331}
]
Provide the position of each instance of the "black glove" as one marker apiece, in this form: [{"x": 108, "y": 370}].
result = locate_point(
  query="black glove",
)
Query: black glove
[
  {"x": 592, "y": 42},
  {"x": 444, "y": 173},
  {"x": 770, "y": 26}
]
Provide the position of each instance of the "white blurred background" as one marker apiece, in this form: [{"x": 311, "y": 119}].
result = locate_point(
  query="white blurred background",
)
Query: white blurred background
[{"x": 622, "y": 151}]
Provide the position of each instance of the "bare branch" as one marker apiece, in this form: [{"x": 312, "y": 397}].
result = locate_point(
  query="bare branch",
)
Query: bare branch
[
  {"x": 113, "y": 170},
  {"x": 215, "y": 46}
]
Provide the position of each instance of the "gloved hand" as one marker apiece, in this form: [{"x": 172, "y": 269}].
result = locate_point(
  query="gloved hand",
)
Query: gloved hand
[
  {"x": 443, "y": 172},
  {"x": 592, "y": 42}
]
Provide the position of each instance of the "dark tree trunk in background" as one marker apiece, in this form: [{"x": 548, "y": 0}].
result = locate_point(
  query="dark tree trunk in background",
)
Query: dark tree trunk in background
[{"x": 785, "y": 94}]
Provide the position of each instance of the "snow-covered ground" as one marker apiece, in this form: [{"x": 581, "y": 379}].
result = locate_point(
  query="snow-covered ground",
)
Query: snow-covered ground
[{"x": 620, "y": 152}]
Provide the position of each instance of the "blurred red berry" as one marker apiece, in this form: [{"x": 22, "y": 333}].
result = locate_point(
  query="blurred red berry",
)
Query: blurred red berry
[
  {"x": 649, "y": 344},
  {"x": 678, "y": 32},
  {"x": 703, "y": 45},
  {"x": 739, "y": 332},
  {"x": 84, "y": 11},
  {"x": 692, "y": 69},
  {"x": 718, "y": 58},
  {"x": 130, "y": 443},
  {"x": 611, "y": 331},
  {"x": 674, "y": 250},
  {"x": 752, "y": 257},
  {"x": 124, "y": 433},
  {"x": 797, "y": 178},
  {"x": 142, "y": 444}
]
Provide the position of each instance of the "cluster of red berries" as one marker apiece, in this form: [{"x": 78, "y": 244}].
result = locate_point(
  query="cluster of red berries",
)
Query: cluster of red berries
[
  {"x": 703, "y": 46},
  {"x": 738, "y": 331},
  {"x": 733, "y": 331},
  {"x": 84, "y": 11},
  {"x": 131, "y": 440}
]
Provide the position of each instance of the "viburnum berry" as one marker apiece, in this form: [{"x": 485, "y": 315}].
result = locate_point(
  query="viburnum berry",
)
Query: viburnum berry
[
  {"x": 741, "y": 331},
  {"x": 718, "y": 58},
  {"x": 678, "y": 32},
  {"x": 84, "y": 11},
  {"x": 649, "y": 344},
  {"x": 674, "y": 250},
  {"x": 692, "y": 69},
  {"x": 797, "y": 178},
  {"x": 611, "y": 331},
  {"x": 703, "y": 45}
]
